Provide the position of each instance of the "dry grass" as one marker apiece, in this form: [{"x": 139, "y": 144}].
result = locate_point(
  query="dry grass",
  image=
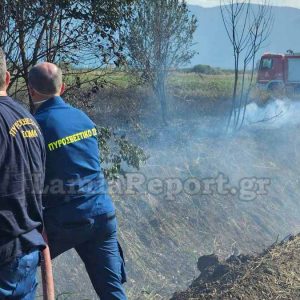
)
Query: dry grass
[{"x": 273, "y": 275}]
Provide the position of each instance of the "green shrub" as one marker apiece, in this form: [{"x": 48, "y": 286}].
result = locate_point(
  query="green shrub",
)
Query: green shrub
[{"x": 205, "y": 69}]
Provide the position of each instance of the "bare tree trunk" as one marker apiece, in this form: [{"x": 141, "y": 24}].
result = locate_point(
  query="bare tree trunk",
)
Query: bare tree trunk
[
  {"x": 232, "y": 115},
  {"x": 160, "y": 91},
  {"x": 248, "y": 92},
  {"x": 163, "y": 103},
  {"x": 242, "y": 100},
  {"x": 247, "y": 28}
]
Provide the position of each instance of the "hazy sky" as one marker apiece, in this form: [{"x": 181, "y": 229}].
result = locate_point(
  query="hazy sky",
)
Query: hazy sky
[{"x": 207, "y": 3}]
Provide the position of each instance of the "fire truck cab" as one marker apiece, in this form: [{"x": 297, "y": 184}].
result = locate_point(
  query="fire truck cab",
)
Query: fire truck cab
[{"x": 279, "y": 71}]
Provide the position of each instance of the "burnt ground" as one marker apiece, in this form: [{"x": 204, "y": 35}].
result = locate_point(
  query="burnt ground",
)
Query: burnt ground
[
  {"x": 163, "y": 238},
  {"x": 275, "y": 274}
]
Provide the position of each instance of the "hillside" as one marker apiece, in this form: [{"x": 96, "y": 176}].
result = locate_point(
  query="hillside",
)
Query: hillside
[
  {"x": 275, "y": 274},
  {"x": 215, "y": 49}
]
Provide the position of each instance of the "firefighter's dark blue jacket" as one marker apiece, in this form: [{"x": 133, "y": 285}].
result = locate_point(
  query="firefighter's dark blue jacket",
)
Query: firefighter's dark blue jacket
[
  {"x": 75, "y": 187},
  {"x": 22, "y": 163}
]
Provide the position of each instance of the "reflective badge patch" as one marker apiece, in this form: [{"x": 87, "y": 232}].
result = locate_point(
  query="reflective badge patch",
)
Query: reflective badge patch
[
  {"x": 32, "y": 132},
  {"x": 72, "y": 139}
]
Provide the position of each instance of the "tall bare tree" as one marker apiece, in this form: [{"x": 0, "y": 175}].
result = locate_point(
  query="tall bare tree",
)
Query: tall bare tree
[
  {"x": 160, "y": 39},
  {"x": 84, "y": 34},
  {"x": 248, "y": 26}
]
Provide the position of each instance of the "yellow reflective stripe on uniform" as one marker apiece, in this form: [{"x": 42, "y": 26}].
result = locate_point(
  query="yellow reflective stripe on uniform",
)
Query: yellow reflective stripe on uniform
[{"x": 72, "y": 139}]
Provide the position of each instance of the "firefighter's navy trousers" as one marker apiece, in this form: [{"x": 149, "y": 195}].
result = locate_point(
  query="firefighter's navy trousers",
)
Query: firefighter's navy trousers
[
  {"x": 95, "y": 240},
  {"x": 18, "y": 277}
]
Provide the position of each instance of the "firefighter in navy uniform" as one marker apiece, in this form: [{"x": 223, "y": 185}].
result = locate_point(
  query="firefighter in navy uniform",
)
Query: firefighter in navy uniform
[
  {"x": 22, "y": 163},
  {"x": 78, "y": 212}
]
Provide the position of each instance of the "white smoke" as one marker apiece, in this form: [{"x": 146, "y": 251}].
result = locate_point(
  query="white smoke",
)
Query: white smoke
[{"x": 275, "y": 114}]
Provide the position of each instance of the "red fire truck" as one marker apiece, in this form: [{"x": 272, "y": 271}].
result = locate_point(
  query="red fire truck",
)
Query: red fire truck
[{"x": 279, "y": 72}]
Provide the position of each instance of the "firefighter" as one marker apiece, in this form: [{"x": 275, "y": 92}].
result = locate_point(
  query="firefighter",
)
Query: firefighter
[
  {"x": 22, "y": 163},
  {"x": 78, "y": 212}
]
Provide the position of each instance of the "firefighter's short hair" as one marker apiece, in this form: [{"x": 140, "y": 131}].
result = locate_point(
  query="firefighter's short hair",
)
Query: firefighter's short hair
[{"x": 44, "y": 81}]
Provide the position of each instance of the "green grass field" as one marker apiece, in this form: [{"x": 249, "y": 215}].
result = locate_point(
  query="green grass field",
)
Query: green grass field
[
  {"x": 183, "y": 86},
  {"x": 180, "y": 83},
  {"x": 192, "y": 86}
]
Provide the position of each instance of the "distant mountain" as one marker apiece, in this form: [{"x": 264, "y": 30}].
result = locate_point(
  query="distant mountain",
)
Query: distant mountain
[{"x": 215, "y": 49}]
